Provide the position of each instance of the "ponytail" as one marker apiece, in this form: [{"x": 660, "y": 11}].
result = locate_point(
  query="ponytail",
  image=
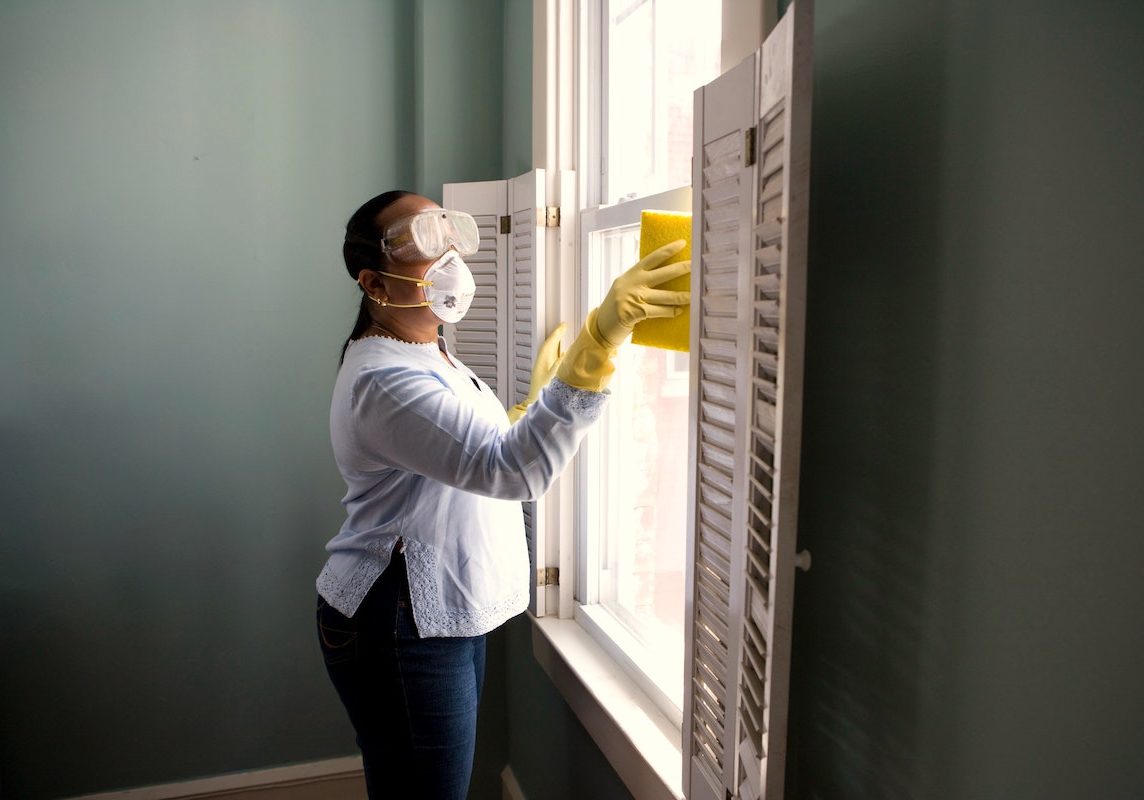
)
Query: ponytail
[{"x": 363, "y": 322}]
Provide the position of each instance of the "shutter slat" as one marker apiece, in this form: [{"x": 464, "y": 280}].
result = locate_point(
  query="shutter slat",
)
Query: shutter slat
[{"x": 769, "y": 231}]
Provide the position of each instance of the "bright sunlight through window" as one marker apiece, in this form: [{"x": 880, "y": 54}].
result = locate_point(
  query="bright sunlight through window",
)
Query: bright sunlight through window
[
  {"x": 656, "y": 53},
  {"x": 659, "y": 52}
]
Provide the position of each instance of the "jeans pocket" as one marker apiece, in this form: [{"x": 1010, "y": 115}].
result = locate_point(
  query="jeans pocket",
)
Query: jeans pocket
[{"x": 337, "y": 635}]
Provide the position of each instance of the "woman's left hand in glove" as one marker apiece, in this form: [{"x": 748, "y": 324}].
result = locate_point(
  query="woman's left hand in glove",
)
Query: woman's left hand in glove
[{"x": 547, "y": 360}]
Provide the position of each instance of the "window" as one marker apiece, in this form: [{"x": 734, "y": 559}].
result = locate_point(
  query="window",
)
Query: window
[
  {"x": 649, "y": 58},
  {"x": 655, "y": 53},
  {"x": 595, "y": 110},
  {"x": 633, "y": 478}
]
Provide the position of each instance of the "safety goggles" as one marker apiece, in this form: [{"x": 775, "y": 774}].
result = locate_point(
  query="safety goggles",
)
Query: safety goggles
[{"x": 429, "y": 234}]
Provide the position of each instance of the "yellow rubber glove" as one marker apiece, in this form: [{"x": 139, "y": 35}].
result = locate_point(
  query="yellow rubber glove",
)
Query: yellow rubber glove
[
  {"x": 632, "y": 298},
  {"x": 588, "y": 362},
  {"x": 547, "y": 359}
]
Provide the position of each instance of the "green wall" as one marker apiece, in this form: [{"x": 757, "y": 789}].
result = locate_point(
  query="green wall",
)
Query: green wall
[
  {"x": 551, "y": 754},
  {"x": 972, "y": 626},
  {"x": 173, "y": 180},
  {"x": 517, "y": 82},
  {"x": 457, "y": 104}
]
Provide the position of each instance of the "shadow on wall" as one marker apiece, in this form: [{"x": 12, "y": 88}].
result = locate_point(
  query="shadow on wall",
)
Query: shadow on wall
[{"x": 862, "y": 721}]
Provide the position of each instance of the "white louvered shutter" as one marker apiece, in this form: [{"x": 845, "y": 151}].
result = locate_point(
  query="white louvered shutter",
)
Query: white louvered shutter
[
  {"x": 527, "y": 330},
  {"x": 480, "y": 339},
  {"x": 721, "y": 197},
  {"x": 778, "y": 292},
  {"x": 499, "y": 337},
  {"x": 752, "y": 664}
]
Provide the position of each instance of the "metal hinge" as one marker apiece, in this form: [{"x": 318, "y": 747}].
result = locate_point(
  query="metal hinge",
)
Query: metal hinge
[
  {"x": 548, "y": 576},
  {"x": 749, "y": 146},
  {"x": 549, "y": 216},
  {"x": 505, "y": 225}
]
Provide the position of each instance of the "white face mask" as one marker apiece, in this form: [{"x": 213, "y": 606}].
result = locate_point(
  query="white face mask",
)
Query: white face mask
[{"x": 449, "y": 288}]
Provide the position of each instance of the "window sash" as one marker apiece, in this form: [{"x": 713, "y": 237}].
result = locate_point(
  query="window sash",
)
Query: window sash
[{"x": 615, "y": 631}]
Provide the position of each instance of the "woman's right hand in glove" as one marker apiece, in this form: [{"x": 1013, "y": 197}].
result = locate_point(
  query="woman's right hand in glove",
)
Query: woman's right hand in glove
[{"x": 634, "y": 298}]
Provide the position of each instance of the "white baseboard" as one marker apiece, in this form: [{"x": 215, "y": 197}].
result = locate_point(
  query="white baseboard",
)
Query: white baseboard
[
  {"x": 333, "y": 778},
  {"x": 510, "y": 789}
]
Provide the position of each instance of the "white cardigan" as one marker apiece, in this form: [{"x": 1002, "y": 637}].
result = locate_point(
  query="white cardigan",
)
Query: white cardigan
[{"x": 429, "y": 457}]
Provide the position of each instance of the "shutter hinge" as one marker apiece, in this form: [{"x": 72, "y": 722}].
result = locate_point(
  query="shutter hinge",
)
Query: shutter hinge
[
  {"x": 506, "y": 225},
  {"x": 749, "y": 146},
  {"x": 548, "y": 576},
  {"x": 549, "y": 216}
]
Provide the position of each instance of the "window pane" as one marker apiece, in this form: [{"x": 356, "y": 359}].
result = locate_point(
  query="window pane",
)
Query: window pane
[
  {"x": 643, "y": 505},
  {"x": 659, "y": 53}
]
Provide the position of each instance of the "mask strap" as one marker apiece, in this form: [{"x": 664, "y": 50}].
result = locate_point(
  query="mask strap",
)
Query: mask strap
[
  {"x": 404, "y": 305},
  {"x": 418, "y": 281}
]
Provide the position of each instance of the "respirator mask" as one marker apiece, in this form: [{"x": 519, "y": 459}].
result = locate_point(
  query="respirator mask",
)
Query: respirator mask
[{"x": 448, "y": 285}]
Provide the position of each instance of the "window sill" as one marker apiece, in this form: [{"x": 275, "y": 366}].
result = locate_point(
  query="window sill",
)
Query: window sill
[{"x": 640, "y": 743}]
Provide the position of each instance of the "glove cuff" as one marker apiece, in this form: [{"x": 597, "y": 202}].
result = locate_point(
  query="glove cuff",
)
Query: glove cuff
[
  {"x": 588, "y": 362},
  {"x": 517, "y": 411}
]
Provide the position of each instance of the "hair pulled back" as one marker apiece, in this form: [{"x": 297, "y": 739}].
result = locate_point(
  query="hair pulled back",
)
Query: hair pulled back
[{"x": 362, "y": 250}]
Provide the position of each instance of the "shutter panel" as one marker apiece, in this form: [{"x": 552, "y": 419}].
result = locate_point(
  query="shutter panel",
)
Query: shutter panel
[
  {"x": 499, "y": 337},
  {"x": 722, "y": 192},
  {"x": 526, "y": 332},
  {"x": 747, "y": 339},
  {"x": 778, "y": 296},
  {"x": 480, "y": 338}
]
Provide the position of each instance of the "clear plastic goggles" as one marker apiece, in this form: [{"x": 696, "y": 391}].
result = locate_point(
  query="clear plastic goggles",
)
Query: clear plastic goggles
[{"x": 429, "y": 234}]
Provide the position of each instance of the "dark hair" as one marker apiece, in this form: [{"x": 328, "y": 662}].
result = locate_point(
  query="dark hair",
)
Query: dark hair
[{"x": 362, "y": 250}]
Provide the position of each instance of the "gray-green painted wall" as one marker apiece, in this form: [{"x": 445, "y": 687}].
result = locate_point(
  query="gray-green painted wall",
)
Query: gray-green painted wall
[
  {"x": 173, "y": 180},
  {"x": 458, "y": 97},
  {"x": 168, "y": 329},
  {"x": 972, "y": 626},
  {"x": 517, "y": 49}
]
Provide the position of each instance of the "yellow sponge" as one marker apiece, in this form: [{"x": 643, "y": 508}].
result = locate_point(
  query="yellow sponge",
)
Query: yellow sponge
[{"x": 658, "y": 228}]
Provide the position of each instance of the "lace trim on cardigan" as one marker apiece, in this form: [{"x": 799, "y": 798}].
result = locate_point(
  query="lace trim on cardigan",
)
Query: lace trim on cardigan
[
  {"x": 346, "y": 595},
  {"x": 580, "y": 401},
  {"x": 432, "y": 618}
]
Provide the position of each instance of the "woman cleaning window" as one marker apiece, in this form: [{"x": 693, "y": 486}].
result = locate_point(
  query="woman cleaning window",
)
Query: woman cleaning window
[{"x": 432, "y": 555}]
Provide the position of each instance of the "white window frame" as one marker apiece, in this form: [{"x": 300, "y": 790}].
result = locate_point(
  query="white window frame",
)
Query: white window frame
[
  {"x": 612, "y": 635},
  {"x": 641, "y": 742}
]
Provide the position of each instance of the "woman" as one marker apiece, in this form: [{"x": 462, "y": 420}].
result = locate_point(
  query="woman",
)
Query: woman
[{"x": 432, "y": 555}]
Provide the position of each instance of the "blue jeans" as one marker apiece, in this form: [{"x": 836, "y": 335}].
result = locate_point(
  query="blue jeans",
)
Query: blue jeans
[{"x": 412, "y": 701}]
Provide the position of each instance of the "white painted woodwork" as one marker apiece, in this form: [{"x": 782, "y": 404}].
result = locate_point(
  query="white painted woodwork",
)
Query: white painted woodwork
[
  {"x": 527, "y": 328},
  {"x": 722, "y": 190}
]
